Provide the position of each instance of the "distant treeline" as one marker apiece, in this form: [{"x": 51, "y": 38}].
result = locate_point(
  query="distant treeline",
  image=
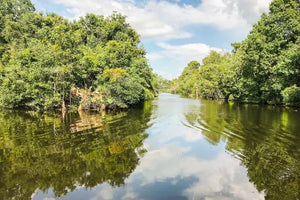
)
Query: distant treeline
[
  {"x": 264, "y": 68},
  {"x": 49, "y": 62}
]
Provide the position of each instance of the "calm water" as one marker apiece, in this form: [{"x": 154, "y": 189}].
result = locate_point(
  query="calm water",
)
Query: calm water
[{"x": 171, "y": 148}]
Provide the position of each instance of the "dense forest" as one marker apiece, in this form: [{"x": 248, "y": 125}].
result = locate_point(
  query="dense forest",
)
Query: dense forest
[
  {"x": 49, "y": 62},
  {"x": 264, "y": 68}
]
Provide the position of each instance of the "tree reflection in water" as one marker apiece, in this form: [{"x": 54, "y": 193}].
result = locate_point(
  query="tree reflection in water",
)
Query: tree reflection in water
[
  {"x": 46, "y": 151},
  {"x": 266, "y": 139}
]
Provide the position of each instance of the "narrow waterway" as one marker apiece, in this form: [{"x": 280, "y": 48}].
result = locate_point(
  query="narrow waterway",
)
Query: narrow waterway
[{"x": 170, "y": 148}]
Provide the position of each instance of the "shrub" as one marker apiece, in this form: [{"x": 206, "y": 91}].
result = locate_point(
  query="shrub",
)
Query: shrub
[
  {"x": 291, "y": 96},
  {"x": 126, "y": 91}
]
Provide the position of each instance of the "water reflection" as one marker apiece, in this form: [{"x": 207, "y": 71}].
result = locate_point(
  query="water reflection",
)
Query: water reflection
[
  {"x": 265, "y": 138},
  {"x": 45, "y": 151},
  {"x": 181, "y": 164},
  {"x": 194, "y": 150}
]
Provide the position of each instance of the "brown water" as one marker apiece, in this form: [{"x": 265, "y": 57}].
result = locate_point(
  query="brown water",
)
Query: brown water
[{"x": 171, "y": 148}]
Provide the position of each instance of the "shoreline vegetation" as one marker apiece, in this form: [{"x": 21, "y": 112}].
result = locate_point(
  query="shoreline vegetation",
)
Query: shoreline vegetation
[
  {"x": 262, "y": 69},
  {"x": 98, "y": 63},
  {"x": 48, "y": 62}
]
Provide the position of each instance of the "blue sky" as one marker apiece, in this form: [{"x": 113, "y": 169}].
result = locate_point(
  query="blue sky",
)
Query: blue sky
[{"x": 173, "y": 32}]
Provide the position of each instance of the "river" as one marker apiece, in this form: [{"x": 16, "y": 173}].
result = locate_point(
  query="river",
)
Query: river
[{"x": 170, "y": 148}]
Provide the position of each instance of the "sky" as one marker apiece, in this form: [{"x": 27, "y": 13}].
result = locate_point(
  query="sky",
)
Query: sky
[{"x": 174, "y": 32}]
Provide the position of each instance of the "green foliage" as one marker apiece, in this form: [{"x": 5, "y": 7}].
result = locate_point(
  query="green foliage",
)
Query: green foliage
[
  {"x": 114, "y": 74},
  {"x": 212, "y": 80},
  {"x": 270, "y": 54},
  {"x": 188, "y": 78},
  {"x": 125, "y": 92},
  {"x": 162, "y": 85},
  {"x": 264, "y": 138},
  {"x": 15, "y": 8},
  {"x": 43, "y": 57},
  {"x": 215, "y": 76},
  {"x": 260, "y": 67},
  {"x": 291, "y": 96},
  {"x": 64, "y": 154}
]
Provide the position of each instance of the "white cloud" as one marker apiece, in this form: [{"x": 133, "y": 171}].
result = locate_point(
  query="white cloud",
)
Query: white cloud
[
  {"x": 105, "y": 194},
  {"x": 153, "y": 56},
  {"x": 130, "y": 195},
  {"x": 172, "y": 121},
  {"x": 167, "y": 20},
  {"x": 164, "y": 20},
  {"x": 216, "y": 179},
  {"x": 168, "y": 158},
  {"x": 220, "y": 178},
  {"x": 192, "y": 51},
  {"x": 179, "y": 56}
]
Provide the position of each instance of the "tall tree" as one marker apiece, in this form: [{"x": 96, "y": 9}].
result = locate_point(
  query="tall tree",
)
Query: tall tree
[{"x": 270, "y": 53}]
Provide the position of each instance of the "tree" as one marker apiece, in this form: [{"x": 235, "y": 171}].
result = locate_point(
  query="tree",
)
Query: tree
[
  {"x": 260, "y": 68},
  {"x": 15, "y": 8},
  {"x": 215, "y": 76},
  {"x": 43, "y": 57},
  {"x": 187, "y": 81},
  {"x": 270, "y": 54},
  {"x": 212, "y": 80}
]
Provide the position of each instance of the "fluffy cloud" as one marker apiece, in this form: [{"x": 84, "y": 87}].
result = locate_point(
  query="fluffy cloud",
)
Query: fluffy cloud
[
  {"x": 172, "y": 121},
  {"x": 216, "y": 179},
  {"x": 166, "y": 19},
  {"x": 191, "y": 51},
  {"x": 161, "y": 21},
  {"x": 106, "y": 193},
  {"x": 178, "y": 56},
  {"x": 153, "y": 56},
  {"x": 220, "y": 178}
]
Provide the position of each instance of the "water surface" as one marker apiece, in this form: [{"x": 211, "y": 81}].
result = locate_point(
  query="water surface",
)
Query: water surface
[{"x": 171, "y": 148}]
